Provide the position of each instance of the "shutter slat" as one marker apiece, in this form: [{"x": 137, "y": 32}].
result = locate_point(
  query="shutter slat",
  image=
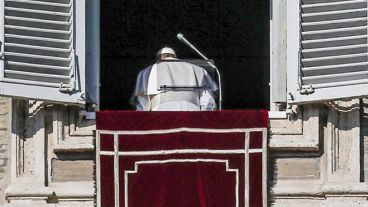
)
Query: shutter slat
[
  {"x": 326, "y": 67},
  {"x": 38, "y": 59},
  {"x": 335, "y": 77},
  {"x": 347, "y": 11},
  {"x": 305, "y": 24},
  {"x": 66, "y": 3},
  {"x": 329, "y": 53},
  {"x": 335, "y": 70},
  {"x": 51, "y": 67},
  {"x": 37, "y": 5},
  {"x": 38, "y": 50},
  {"x": 306, "y": 60},
  {"x": 64, "y": 35},
  {"x": 305, "y": 42},
  {"x": 28, "y": 82},
  {"x": 55, "y": 1},
  {"x": 334, "y": 48},
  {"x": 51, "y": 58},
  {"x": 339, "y": 84},
  {"x": 51, "y": 32},
  {"x": 15, "y": 66},
  {"x": 38, "y": 23},
  {"x": 335, "y": 25},
  {"x": 38, "y": 41},
  {"x": 67, "y": 41},
  {"x": 334, "y": 30},
  {"x": 337, "y": 43},
  {"x": 49, "y": 78},
  {"x": 331, "y": 16},
  {"x": 333, "y": 3},
  {"x": 350, "y": 7},
  {"x": 38, "y": 12},
  {"x": 356, "y": 59}
]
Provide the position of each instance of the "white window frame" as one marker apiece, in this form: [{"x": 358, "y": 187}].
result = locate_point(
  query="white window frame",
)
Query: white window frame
[{"x": 278, "y": 56}]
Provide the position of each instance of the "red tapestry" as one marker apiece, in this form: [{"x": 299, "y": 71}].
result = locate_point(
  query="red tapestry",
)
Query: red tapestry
[{"x": 182, "y": 159}]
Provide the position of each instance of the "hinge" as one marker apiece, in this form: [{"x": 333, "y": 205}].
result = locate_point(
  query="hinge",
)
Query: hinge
[
  {"x": 306, "y": 89},
  {"x": 1, "y": 50},
  {"x": 66, "y": 88},
  {"x": 70, "y": 87},
  {"x": 303, "y": 89}
]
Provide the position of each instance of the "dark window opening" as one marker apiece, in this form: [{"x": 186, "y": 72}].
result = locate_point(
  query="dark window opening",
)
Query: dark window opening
[{"x": 235, "y": 34}]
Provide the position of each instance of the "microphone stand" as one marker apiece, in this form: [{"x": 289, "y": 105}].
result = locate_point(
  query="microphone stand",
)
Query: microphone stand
[{"x": 185, "y": 41}]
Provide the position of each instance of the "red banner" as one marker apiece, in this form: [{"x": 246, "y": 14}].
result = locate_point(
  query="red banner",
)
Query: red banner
[{"x": 182, "y": 159}]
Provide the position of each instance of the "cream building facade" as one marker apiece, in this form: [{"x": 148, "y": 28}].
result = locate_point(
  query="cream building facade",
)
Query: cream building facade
[
  {"x": 318, "y": 151},
  {"x": 317, "y": 157}
]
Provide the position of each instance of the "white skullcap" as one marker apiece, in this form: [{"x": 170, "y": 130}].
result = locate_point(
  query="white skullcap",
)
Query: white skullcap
[{"x": 166, "y": 50}]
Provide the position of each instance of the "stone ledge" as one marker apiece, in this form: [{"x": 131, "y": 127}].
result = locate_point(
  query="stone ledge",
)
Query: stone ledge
[
  {"x": 301, "y": 134},
  {"x": 345, "y": 189},
  {"x": 27, "y": 190},
  {"x": 297, "y": 189},
  {"x": 76, "y": 148},
  {"x": 313, "y": 188},
  {"x": 74, "y": 190}
]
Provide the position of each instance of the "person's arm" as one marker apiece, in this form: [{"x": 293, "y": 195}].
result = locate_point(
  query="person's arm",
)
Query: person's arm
[
  {"x": 207, "y": 101},
  {"x": 140, "y": 100},
  {"x": 143, "y": 103},
  {"x": 207, "y": 98}
]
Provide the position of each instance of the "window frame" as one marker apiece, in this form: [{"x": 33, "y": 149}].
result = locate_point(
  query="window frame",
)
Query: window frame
[{"x": 278, "y": 55}]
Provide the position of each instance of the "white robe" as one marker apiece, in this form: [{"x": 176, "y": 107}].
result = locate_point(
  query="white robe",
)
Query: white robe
[{"x": 149, "y": 97}]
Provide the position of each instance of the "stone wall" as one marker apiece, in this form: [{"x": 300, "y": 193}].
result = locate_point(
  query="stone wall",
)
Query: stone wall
[
  {"x": 323, "y": 163},
  {"x": 317, "y": 156},
  {"x": 53, "y": 156}
]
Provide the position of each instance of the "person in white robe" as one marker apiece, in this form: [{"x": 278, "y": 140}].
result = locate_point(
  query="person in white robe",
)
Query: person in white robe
[{"x": 173, "y": 85}]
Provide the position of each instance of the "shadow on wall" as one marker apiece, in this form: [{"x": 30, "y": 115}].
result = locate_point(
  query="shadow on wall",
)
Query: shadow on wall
[{"x": 364, "y": 140}]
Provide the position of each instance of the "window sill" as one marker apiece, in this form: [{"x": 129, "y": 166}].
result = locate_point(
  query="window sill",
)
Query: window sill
[{"x": 277, "y": 114}]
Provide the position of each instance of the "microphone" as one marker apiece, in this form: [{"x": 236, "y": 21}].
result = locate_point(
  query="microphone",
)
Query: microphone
[{"x": 181, "y": 37}]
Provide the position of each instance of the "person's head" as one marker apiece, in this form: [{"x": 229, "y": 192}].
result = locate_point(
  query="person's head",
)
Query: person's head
[{"x": 165, "y": 52}]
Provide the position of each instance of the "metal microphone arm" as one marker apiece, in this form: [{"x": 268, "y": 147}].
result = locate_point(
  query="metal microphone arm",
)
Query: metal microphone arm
[{"x": 185, "y": 41}]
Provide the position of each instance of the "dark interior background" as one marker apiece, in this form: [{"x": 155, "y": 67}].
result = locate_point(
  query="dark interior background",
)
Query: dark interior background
[{"x": 233, "y": 33}]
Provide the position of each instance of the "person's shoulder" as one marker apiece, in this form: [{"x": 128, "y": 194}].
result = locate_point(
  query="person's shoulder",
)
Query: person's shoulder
[
  {"x": 172, "y": 62},
  {"x": 197, "y": 68},
  {"x": 175, "y": 61},
  {"x": 183, "y": 64}
]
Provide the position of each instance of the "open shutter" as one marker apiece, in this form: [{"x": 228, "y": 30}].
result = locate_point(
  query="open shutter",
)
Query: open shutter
[
  {"x": 41, "y": 56},
  {"x": 327, "y": 50}
]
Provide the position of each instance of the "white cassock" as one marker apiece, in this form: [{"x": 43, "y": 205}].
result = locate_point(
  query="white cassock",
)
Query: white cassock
[{"x": 149, "y": 97}]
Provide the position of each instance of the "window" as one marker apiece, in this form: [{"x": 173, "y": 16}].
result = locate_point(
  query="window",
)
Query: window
[
  {"x": 235, "y": 34},
  {"x": 43, "y": 50},
  {"x": 327, "y": 55}
]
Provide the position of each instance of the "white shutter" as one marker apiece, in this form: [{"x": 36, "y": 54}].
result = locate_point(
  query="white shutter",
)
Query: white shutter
[
  {"x": 41, "y": 56},
  {"x": 327, "y": 50}
]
